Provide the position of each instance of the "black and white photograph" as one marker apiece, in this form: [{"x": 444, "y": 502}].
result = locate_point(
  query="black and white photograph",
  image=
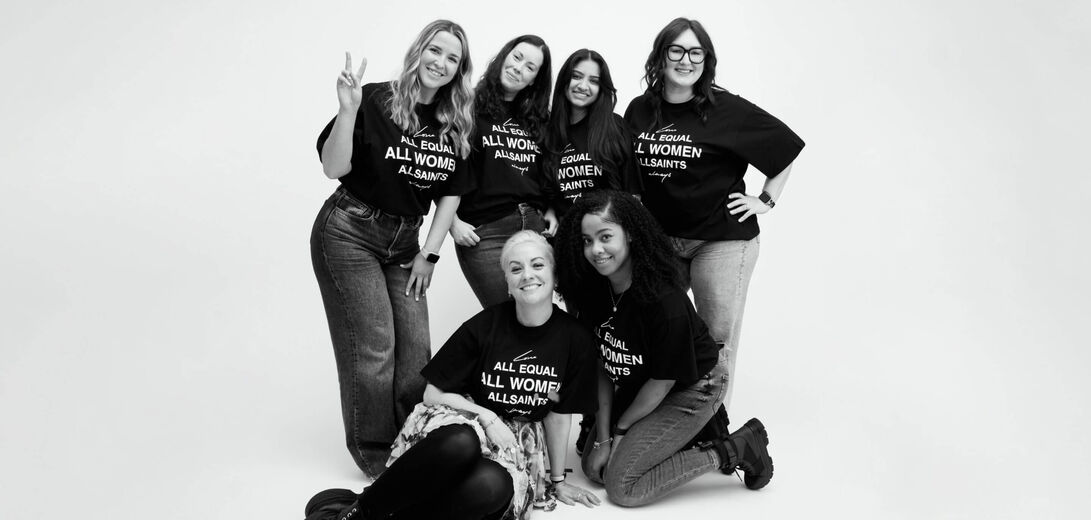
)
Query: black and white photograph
[{"x": 567, "y": 260}]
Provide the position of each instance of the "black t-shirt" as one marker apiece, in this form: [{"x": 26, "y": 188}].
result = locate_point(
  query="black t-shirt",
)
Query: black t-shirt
[
  {"x": 506, "y": 166},
  {"x": 398, "y": 172},
  {"x": 689, "y": 167},
  {"x": 661, "y": 339},
  {"x": 510, "y": 369},
  {"x": 578, "y": 174}
]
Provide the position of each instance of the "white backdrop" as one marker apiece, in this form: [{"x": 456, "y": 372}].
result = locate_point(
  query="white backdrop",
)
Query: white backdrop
[{"x": 912, "y": 338}]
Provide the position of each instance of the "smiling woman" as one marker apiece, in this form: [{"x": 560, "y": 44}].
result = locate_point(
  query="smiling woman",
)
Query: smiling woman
[
  {"x": 394, "y": 148},
  {"x": 512, "y": 103},
  {"x": 499, "y": 395}
]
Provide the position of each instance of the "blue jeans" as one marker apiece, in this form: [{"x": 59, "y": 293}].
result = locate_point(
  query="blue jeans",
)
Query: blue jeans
[
  {"x": 380, "y": 335},
  {"x": 481, "y": 263},
  {"x": 719, "y": 274},
  {"x": 650, "y": 460}
]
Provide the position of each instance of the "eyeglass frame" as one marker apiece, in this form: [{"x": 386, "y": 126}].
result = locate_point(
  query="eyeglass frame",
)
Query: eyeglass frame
[{"x": 685, "y": 52}]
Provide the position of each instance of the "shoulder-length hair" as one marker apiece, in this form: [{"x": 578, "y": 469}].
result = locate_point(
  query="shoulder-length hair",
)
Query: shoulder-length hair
[
  {"x": 454, "y": 101},
  {"x": 653, "y": 259},
  {"x": 531, "y": 105},
  {"x": 605, "y": 139},
  {"x": 703, "y": 91}
]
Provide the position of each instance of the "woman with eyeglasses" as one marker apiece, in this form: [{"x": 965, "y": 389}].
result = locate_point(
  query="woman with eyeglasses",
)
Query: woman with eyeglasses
[
  {"x": 511, "y": 111},
  {"x": 394, "y": 148},
  {"x": 694, "y": 141},
  {"x": 589, "y": 146}
]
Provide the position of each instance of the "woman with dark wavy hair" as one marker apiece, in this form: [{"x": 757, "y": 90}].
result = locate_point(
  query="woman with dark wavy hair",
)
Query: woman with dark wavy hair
[
  {"x": 662, "y": 377},
  {"x": 589, "y": 146},
  {"x": 394, "y": 147},
  {"x": 512, "y": 109},
  {"x": 694, "y": 141}
]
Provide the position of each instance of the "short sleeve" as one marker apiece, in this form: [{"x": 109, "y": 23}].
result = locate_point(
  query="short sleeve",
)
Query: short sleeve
[
  {"x": 672, "y": 352},
  {"x": 578, "y": 393},
  {"x": 765, "y": 142},
  {"x": 454, "y": 368}
]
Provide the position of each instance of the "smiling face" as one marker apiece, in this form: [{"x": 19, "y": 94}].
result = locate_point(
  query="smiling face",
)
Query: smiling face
[
  {"x": 519, "y": 69},
  {"x": 439, "y": 63},
  {"x": 583, "y": 85},
  {"x": 683, "y": 74},
  {"x": 606, "y": 247},
  {"x": 528, "y": 270}
]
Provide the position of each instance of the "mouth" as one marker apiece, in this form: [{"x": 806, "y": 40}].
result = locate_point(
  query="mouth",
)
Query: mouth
[
  {"x": 435, "y": 73},
  {"x": 581, "y": 94},
  {"x": 600, "y": 260},
  {"x": 511, "y": 76},
  {"x": 683, "y": 71},
  {"x": 530, "y": 287}
]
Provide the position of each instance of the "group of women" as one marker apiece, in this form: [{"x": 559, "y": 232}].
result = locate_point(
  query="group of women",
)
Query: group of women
[{"x": 643, "y": 208}]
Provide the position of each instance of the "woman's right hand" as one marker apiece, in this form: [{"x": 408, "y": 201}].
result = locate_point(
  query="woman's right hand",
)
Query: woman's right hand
[
  {"x": 597, "y": 459},
  {"x": 349, "y": 95},
  {"x": 501, "y": 435},
  {"x": 463, "y": 233}
]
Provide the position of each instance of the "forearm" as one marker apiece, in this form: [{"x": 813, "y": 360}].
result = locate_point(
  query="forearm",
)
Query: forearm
[
  {"x": 433, "y": 395},
  {"x": 337, "y": 150},
  {"x": 774, "y": 185},
  {"x": 649, "y": 397},
  {"x": 557, "y": 428},
  {"x": 441, "y": 222}
]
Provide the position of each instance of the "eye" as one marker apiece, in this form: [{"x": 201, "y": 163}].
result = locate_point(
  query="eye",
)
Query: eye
[
  {"x": 433, "y": 50},
  {"x": 454, "y": 59},
  {"x": 594, "y": 80},
  {"x": 586, "y": 241},
  {"x": 539, "y": 265},
  {"x": 605, "y": 237}
]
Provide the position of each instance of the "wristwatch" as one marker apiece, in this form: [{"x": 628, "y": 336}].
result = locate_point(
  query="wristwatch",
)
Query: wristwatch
[
  {"x": 429, "y": 256},
  {"x": 766, "y": 199}
]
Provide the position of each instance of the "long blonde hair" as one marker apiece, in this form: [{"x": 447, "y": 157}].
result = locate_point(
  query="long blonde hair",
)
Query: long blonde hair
[{"x": 454, "y": 101}]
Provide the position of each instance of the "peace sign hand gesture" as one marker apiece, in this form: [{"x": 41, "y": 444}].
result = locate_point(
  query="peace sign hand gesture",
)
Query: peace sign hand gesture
[{"x": 349, "y": 83}]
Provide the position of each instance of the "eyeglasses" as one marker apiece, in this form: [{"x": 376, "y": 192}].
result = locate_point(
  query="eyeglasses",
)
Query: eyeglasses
[{"x": 696, "y": 54}]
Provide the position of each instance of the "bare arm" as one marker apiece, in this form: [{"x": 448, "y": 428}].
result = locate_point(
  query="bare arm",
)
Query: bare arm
[
  {"x": 649, "y": 397},
  {"x": 337, "y": 150},
  {"x": 421, "y": 275},
  {"x": 557, "y": 428},
  {"x": 490, "y": 422},
  {"x": 747, "y": 205}
]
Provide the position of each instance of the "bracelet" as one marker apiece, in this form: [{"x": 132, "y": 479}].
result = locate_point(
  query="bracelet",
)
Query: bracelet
[
  {"x": 618, "y": 431},
  {"x": 485, "y": 425},
  {"x": 595, "y": 445},
  {"x": 557, "y": 480}
]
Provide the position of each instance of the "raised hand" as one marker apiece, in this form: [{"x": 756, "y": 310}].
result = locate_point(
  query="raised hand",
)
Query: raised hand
[{"x": 349, "y": 95}]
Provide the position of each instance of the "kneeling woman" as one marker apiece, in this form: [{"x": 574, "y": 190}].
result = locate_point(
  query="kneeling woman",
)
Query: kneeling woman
[
  {"x": 497, "y": 400},
  {"x": 662, "y": 376}
]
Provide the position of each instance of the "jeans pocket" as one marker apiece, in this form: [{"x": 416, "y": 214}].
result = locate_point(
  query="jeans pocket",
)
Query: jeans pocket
[{"x": 355, "y": 211}]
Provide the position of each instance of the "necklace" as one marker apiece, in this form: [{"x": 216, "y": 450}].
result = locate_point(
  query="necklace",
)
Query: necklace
[{"x": 613, "y": 301}]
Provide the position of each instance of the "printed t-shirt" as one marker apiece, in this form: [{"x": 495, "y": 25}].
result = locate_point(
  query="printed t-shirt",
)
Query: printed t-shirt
[
  {"x": 578, "y": 174},
  {"x": 398, "y": 172},
  {"x": 690, "y": 167},
  {"x": 661, "y": 339},
  {"x": 506, "y": 166},
  {"x": 510, "y": 368}
]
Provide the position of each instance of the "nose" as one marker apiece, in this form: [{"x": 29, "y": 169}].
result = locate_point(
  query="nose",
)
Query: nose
[{"x": 685, "y": 56}]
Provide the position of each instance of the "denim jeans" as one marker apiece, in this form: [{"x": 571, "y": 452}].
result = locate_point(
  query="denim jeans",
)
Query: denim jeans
[
  {"x": 650, "y": 460},
  {"x": 481, "y": 263},
  {"x": 380, "y": 335},
  {"x": 719, "y": 274}
]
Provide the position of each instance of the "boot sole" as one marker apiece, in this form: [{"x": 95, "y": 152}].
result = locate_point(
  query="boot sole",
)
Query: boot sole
[{"x": 330, "y": 496}]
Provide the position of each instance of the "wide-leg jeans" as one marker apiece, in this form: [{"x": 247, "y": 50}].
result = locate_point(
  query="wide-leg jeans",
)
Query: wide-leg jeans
[
  {"x": 481, "y": 263},
  {"x": 380, "y": 335}
]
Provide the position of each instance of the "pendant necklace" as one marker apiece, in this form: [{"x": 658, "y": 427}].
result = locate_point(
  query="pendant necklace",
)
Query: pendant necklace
[{"x": 613, "y": 301}]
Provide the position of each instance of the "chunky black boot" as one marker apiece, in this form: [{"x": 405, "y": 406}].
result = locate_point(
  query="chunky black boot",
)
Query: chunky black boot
[
  {"x": 746, "y": 449},
  {"x": 332, "y": 504}
]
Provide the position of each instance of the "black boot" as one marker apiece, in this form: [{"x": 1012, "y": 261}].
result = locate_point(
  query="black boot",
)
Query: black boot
[
  {"x": 332, "y": 504},
  {"x": 746, "y": 449}
]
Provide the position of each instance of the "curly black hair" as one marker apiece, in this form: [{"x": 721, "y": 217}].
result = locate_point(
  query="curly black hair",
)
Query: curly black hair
[
  {"x": 655, "y": 266},
  {"x": 531, "y": 108}
]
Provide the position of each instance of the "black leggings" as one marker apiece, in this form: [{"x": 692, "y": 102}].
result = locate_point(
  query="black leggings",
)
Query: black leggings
[{"x": 442, "y": 476}]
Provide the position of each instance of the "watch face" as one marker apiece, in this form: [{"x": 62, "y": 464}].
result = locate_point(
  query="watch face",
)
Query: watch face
[{"x": 431, "y": 257}]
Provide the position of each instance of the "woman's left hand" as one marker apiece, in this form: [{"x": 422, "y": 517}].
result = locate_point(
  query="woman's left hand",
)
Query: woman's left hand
[
  {"x": 745, "y": 203},
  {"x": 551, "y": 223},
  {"x": 570, "y": 494},
  {"x": 420, "y": 276}
]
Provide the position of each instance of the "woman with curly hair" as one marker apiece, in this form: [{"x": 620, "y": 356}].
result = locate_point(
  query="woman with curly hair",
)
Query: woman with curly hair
[
  {"x": 589, "y": 146},
  {"x": 662, "y": 376},
  {"x": 394, "y": 147},
  {"x": 694, "y": 141},
  {"x": 512, "y": 109},
  {"x": 496, "y": 408}
]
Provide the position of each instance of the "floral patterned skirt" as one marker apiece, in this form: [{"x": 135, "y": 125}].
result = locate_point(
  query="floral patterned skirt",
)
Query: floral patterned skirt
[{"x": 526, "y": 466}]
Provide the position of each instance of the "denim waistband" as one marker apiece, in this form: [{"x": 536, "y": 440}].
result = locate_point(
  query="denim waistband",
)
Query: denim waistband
[{"x": 343, "y": 194}]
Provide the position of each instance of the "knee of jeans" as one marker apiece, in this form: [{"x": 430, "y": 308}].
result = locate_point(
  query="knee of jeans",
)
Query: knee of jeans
[{"x": 623, "y": 495}]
